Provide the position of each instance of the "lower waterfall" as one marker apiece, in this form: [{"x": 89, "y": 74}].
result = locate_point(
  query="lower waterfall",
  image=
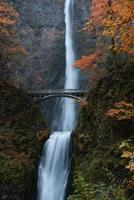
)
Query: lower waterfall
[
  {"x": 55, "y": 161},
  {"x": 54, "y": 167}
]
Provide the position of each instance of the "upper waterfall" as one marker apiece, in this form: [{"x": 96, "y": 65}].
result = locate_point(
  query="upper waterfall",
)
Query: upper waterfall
[{"x": 71, "y": 75}]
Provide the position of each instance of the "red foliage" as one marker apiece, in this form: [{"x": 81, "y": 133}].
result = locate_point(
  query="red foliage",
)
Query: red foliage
[{"x": 86, "y": 62}]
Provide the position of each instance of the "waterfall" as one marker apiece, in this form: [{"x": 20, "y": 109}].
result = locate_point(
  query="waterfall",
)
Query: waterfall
[
  {"x": 55, "y": 161},
  {"x": 71, "y": 81}
]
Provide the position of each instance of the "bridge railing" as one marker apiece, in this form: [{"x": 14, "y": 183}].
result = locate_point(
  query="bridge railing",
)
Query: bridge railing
[{"x": 59, "y": 91}]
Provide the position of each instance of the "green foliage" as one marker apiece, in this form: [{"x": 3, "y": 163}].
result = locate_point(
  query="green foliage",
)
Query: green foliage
[
  {"x": 11, "y": 170},
  {"x": 22, "y": 130},
  {"x": 88, "y": 191},
  {"x": 107, "y": 163},
  {"x": 127, "y": 148},
  {"x": 124, "y": 144},
  {"x": 81, "y": 188},
  {"x": 84, "y": 190}
]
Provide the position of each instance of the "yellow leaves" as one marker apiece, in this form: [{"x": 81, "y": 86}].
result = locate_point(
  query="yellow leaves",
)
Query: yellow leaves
[
  {"x": 124, "y": 144},
  {"x": 128, "y": 154}
]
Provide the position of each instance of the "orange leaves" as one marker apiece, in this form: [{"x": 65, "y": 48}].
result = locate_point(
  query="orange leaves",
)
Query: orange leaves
[
  {"x": 9, "y": 46},
  {"x": 123, "y": 104},
  {"x": 126, "y": 27},
  {"x": 8, "y": 15},
  {"x": 6, "y": 21},
  {"x": 127, "y": 154},
  {"x": 97, "y": 14},
  {"x": 121, "y": 111},
  {"x": 113, "y": 22},
  {"x": 115, "y": 19},
  {"x": 130, "y": 167},
  {"x": 8, "y": 18},
  {"x": 88, "y": 61},
  {"x": 83, "y": 63}
]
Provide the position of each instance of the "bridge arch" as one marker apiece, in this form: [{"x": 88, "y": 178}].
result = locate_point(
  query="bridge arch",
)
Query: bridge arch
[
  {"x": 43, "y": 98},
  {"x": 79, "y": 95}
]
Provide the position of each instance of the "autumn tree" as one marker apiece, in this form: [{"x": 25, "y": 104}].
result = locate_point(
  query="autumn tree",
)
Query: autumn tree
[
  {"x": 115, "y": 20},
  {"x": 9, "y": 46},
  {"x": 113, "y": 23},
  {"x": 89, "y": 64}
]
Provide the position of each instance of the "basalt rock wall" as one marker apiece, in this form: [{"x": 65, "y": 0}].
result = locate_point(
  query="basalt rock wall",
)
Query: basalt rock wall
[{"x": 41, "y": 30}]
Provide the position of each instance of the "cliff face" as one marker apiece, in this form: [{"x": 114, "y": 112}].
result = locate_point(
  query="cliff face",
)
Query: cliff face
[{"x": 41, "y": 29}]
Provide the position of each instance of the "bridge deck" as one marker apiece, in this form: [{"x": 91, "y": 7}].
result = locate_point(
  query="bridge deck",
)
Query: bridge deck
[
  {"x": 79, "y": 95},
  {"x": 58, "y": 91}
]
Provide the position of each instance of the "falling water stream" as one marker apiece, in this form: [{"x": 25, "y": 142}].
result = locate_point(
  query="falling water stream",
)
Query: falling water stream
[{"x": 55, "y": 161}]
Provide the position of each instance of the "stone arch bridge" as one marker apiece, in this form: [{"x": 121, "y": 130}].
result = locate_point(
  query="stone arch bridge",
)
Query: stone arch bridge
[{"x": 79, "y": 95}]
